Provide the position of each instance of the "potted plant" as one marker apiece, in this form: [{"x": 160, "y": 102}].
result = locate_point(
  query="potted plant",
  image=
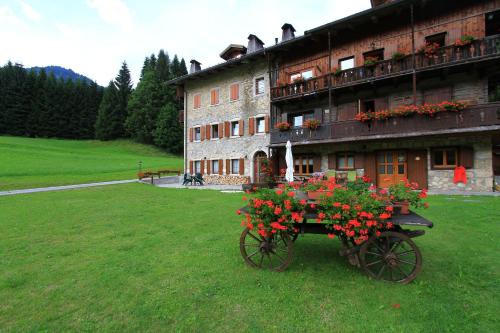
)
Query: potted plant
[
  {"x": 314, "y": 188},
  {"x": 403, "y": 194},
  {"x": 465, "y": 40},
  {"x": 398, "y": 55},
  {"x": 336, "y": 71},
  {"x": 283, "y": 126},
  {"x": 370, "y": 61},
  {"x": 430, "y": 49},
  {"x": 311, "y": 124}
]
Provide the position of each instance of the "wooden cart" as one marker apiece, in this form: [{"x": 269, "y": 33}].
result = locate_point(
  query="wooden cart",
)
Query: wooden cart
[{"x": 392, "y": 256}]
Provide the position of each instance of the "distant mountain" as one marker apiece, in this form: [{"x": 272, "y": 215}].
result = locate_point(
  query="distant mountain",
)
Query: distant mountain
[{"x": 61, "y": 72}]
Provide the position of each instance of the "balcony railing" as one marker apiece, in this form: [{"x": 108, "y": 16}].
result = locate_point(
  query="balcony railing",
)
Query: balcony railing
[
  {"x": 352, "y": 130},
  {"x": 445, "y": 56}
]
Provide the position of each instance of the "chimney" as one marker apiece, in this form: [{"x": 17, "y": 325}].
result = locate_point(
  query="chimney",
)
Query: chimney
[
  {"x": 288, "y": 32},
  {"x": 254, "y": 44},
  {"x": 195, "y": 67}
]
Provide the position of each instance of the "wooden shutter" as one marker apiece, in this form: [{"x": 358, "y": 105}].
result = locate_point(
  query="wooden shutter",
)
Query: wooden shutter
[
  {"x": 417, "y": 167},
  {"x": 221, "y": 130},
  {"x": 208, "y": 133},
  {"x": 227, "y": 129},
  {"x": 466, "y": 157},
  {"x": 332, "y": 162},
  {"x": 221, "y": 166},
  {"x": 209, "y": 167},
  {"x": 235, "y": 91},
  {"x": 347, "y": 111},
  {"x": 197, "y": 101},
  {"x": 242, "y": 166},
  {"x": 241, "y": 127},
  {"x": 190, "y": 134},
  {"x": 191, "y": 171},
  {"x": 371, "y": 166},
  {"x": 359, "y": 160},
  {"x": 202, "y": 133},
  {"x": 228, "y": 167},
  {"x": 251, "y": 126},
  {"x": 317, "y": 163},
  {"x": 266, "y": 124},
  {"x": 202, "y": 167}
]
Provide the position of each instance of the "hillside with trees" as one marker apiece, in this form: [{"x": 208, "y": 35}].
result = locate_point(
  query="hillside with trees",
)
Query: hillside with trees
[{"x": 34, "y": 103}]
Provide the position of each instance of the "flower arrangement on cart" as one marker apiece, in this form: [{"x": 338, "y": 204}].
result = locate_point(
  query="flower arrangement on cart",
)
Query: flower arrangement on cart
[{"x": 365, "y": 219}]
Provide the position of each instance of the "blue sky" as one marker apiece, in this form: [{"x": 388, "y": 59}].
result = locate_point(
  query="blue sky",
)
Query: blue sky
[{"x": 93, "y": 37}]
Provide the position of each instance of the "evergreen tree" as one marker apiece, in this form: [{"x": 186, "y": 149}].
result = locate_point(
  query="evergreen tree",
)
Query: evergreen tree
[
  {"x": 123, "y": 83},
  {"x": 175, "y": 67},
  {"x": 183, "y": 68},
  {"x": 168, "y": 132},
  {"x": 163, "y": 66},
  {"x": 109, "y": 123}
]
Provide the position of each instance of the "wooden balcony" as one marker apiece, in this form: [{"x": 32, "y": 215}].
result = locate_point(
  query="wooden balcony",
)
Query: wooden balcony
[
  {"x": 484, "y": 117},
  {"x": 452, "y": 55}
]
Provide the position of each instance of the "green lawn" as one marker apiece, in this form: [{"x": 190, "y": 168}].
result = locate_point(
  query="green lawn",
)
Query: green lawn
[
  {"x": 139, "y": 258},
  {"x": 27, "y": 163}
]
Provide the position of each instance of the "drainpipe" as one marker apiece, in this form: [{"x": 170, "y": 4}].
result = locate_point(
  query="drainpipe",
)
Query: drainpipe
[
  {"x": 329, "y": 74},
  {"x": 413, "y": 59},
  {"x": 185, "y": 131}
]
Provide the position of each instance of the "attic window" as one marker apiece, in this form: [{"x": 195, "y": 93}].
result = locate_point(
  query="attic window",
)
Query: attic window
[{"x": 259, "y": 86}]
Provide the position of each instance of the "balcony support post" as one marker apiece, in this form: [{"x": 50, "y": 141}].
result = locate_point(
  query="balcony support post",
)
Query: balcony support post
[
  {"x": 329, "y": 74},
  {"x": 413, "y": 59}
]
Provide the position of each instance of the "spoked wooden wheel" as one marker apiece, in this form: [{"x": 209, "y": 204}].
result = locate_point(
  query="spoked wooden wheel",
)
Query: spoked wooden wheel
[
  {"x": 274, "y": 253},
  {"x": 391, "y": 257}
]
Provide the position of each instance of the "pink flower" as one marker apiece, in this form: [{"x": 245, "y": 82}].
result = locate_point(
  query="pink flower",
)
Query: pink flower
[{"x": 279, "y": 192}]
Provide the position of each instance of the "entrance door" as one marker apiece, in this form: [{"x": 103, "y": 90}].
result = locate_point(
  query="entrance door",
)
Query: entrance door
[
  {"x": 391, "y": 168},
  {"x": 258, "y": 174}
]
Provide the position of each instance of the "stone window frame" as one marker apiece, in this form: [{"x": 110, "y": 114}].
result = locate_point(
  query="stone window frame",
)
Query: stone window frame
[
  {"x": 237, "y": 161},
  {"x": 218, "y": 96},
  {"x": 235, "y": 120},
  {"x": 263, "y": 117},
  {"x": 212, "y": 172},
  {"x": 194, "y": 133},
  {"x": 195, "y": 162},
  {"x": 212, "y": 132},
  {"x": 445, "y": 166},
  {"x": 254, "y": 86},
  {"x": 239, "y": 91}
]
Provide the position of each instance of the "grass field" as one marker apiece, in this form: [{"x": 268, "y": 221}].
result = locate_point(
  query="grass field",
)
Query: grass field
[
  {"x": 138, "y": 258},
  {"x": 27, "y": 163}
]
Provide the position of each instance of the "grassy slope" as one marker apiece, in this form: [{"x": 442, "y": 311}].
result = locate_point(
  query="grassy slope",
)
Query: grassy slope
[
  {"x": 139, "y": 258},
  {"x": 27, "y": 163}
]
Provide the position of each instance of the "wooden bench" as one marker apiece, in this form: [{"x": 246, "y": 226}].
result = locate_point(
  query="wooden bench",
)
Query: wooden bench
[{"x": 158, "y": 173}]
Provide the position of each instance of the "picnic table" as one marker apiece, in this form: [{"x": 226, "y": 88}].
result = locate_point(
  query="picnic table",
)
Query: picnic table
[{"x": 392, "y": 256}]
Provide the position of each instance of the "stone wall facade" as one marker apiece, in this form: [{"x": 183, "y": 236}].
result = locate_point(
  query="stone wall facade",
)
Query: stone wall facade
[{"x": 248, "y": 105}]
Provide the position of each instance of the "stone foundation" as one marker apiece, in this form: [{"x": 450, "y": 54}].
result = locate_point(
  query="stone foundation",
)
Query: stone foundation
[{"x": 226, "y": 179}]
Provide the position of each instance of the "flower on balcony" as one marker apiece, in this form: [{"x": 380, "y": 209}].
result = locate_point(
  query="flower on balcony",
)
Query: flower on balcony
[
  {"x": 429, "y": 49},
  {"x": 370, "y": 61},
  {"x": 312, "y": 124},
  {"x": 408, "y": 110},
  {"x": 336, "y": 71},
  {"x": 398, "y": 55},
  {"x": 283, "y": 126},
  {"x": 464, "y": 40}
]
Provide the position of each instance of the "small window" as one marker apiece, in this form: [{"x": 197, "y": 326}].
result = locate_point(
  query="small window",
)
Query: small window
[
  {"x": 197, "y": 101},
  {"x": 308, "y": 74},
  {"x": 345, "y": 161},
  {"x": 215, "y": 131},
  {"x": 235, "y": 128},
  {"x": 215, "y": 167},
  {"x": 437, "y": 38},
  {"x": 304, "y": 165},
  {"x": 302, "y": 75},
  {"x": 445, "y": 158},
  {"x": 260, "y": 125},
  {"x": 234, "y": 92},
  {"x": 295, "y": 77},
  {"x": 214, "y": 96},
  {"x": 197, "y": 166},
  {"x": 492, "y": 23},
  {"x": 346, "y": 63},
  {"x": 494, "y": 88},
  {"x": 298, "y": 120},
  {"x": 259, "y": 86},
  {"x": 235, "y": 166},
  {"x": 197, "y": 133}
]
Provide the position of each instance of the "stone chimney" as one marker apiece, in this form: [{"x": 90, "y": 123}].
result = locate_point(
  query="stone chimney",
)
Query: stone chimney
[
  {"x": 195, "y": 67},
  {"x": 288, "y": 32},
  {"x": 254, "y": 44}
]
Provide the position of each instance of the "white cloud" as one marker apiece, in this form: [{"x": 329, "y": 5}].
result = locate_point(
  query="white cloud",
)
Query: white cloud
[
  {"x": 114, "y": 12},
  {"x": 8, "y": 17},
  {"x": 30, "y": 12}
]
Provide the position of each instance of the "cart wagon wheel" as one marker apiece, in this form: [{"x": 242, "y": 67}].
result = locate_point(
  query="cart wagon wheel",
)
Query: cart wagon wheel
[
  {"x": 391, "y": 257},
  {"x": 293, "y": 235},
  {"x": 274, "y": 253}
]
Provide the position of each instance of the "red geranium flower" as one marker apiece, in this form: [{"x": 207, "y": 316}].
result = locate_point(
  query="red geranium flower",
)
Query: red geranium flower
[{"x": 291, "y": 194}]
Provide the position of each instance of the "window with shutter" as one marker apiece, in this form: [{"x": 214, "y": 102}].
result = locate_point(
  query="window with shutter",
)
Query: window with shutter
[
  {"x": 234, "y": 92},
  {"x": 444, "y": 158},
  {"x": 241, "y": 128},
  {"x": 209, "y": 167},
  {"x": 191, "y": 170},
  {"x": 220, "y": 166},
  {"x": 259, "y": 86},
  {"x": 214, "y": 96},
  {"x": 191, "y": 134},
  {"x": 467, "y": 157},
  {"x": 251, "y": 123},
  {"x": 227, "y": 129},
  {"x": 241, "y": 167},
  {"x": 208, "y": 132},
  {"x": 228, "y": 167},
  {"x": 197, "y": 101},
  {"x": 266, "y": 124},
  {"x": 260, "y": 123},
  {"x": 197, "y": 133}
]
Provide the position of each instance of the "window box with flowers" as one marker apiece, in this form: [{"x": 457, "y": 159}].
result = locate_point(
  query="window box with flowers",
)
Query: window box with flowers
[
  {"x": 465, "y": 40},
  {"x": 283, "y": 126},
  {"x": 370, "y": 62},
  {"x": 336, "y": 71},
  {"x": 398, "y": 56},
  {"x": 430, "y": 49},
  {"x": 311, "y": 124}
]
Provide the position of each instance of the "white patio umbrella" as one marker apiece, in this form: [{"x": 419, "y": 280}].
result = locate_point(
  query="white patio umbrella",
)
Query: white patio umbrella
[{"x": 289, "y": 162}]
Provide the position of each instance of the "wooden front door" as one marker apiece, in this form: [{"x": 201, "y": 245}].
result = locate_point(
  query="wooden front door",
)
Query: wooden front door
[
  {"x": 258, "y": 175},
  {"x": 391, "y": 167}
]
